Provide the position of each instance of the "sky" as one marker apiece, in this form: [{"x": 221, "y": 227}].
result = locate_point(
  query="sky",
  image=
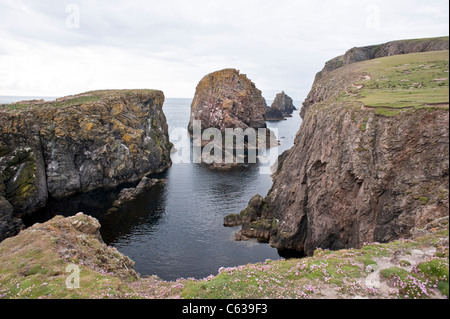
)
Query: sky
[{"x": 63, "y": 47}]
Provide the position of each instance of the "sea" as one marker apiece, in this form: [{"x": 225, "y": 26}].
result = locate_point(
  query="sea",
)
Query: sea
[{"x": 176, "y": 230}]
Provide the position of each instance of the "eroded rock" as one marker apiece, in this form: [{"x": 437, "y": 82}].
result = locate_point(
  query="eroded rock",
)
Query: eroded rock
[
  {"x": 79, "y": 143},
  {"x": 354, "y": 175},
  {"x": 227, "y": 99},
  {"x": 282, "y": 106}
]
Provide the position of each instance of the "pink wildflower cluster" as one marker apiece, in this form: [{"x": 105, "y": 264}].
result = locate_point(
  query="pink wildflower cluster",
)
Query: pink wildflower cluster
[
  {"x": 412, "y": 287},
  {"x": 372, "y": 291},
  {"x": 351, "y": 288}
]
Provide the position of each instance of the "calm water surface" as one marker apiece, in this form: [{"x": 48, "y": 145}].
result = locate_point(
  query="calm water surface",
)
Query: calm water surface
[{"x": 176, "y": 229}]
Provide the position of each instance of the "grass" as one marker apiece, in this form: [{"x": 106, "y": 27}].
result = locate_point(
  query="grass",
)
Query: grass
[
  {"x": 410, "y": 81},
  {"x": 87, "y": 98},
  {"x": 33, "y": 265},
  {"x": 33, "y": 269},
  {"x": 333, "y": 274}
]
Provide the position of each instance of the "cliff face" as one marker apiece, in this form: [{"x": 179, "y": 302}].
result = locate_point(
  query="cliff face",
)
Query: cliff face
[
  {"x": 357, "y": 185},
  {"x": 227, "y": 99},
  {"x": 76, "y": 144},
  {"x": 361, "y": 172}
]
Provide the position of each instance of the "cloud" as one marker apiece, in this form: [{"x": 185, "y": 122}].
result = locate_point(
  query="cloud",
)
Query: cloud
[{"x": 170, "y": 45}]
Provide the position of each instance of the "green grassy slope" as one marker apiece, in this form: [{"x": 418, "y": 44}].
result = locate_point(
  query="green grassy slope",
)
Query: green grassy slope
[{"x": 397, "y": 82}]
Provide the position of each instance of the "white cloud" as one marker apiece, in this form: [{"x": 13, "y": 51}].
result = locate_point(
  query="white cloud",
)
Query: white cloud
[{"x": 170, "y": 45}]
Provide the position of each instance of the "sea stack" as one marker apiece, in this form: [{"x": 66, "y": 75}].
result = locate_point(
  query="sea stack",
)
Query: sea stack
[
  {"x": 282, "y": 107},
  {"x": 227, "y": 99},
  {"x": 230, "y": 107}
]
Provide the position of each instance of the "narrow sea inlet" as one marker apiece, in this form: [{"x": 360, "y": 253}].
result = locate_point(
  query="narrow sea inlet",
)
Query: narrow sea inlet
[{"x": 176, "y": 228}]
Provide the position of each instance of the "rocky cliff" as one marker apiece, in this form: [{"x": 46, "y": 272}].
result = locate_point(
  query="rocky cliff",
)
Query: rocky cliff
[
  {"x": 227, "y": 99},
  {"x": 75, "y": 144},
  {"x": 370, "y": 162}
]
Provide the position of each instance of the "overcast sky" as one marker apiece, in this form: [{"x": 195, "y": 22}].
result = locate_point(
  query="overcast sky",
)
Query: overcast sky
[{"x": 57, "y": 47}]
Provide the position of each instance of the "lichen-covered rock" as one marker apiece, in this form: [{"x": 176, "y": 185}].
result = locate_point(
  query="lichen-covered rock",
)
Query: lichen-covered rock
[
  {"x": 227, "y": 99},
  {"x": 257, "y": 208},
  {"x": 22, "y": 168},
  {"x": 9, "y": 224},
  {"x": 86, "y": 224},
  {"x": 80, "y": 143},
  {"x": 255, "y": 219}
]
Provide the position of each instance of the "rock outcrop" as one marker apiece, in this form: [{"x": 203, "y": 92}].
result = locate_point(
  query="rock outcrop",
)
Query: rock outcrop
[
  {"x": 282, "y": 106},
  {"x": 130, "y": 194},
  {"x": 76, "y": 144},
  {"x": 357, "y": 174},
  {"x": 274, "y": 114},
  {"x": 227, "y": 99},
  {"x": 224, "y": 101},
  {"x": 66, "y": 258}
]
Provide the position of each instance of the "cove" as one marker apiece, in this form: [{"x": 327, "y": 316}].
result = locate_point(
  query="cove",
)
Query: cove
[{"x": 176, "y": 228}]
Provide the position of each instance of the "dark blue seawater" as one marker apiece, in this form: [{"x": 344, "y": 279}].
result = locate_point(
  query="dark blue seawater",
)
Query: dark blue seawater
[
  {"x": 183, "y": 234},
  {"x": 176, "y": 229}
]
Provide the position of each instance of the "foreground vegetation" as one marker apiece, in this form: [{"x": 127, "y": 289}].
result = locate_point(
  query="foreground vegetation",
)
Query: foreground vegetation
[
  {"x": 402, "y": 269},
  {"x": 33, "y": 265}
]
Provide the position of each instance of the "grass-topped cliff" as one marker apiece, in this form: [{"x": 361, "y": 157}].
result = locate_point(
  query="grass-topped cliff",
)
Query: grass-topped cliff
[
  {"x": 390, "y": 84},
  {"x": 371, "y": 158},
  {"x": 86, "y": 98}
]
